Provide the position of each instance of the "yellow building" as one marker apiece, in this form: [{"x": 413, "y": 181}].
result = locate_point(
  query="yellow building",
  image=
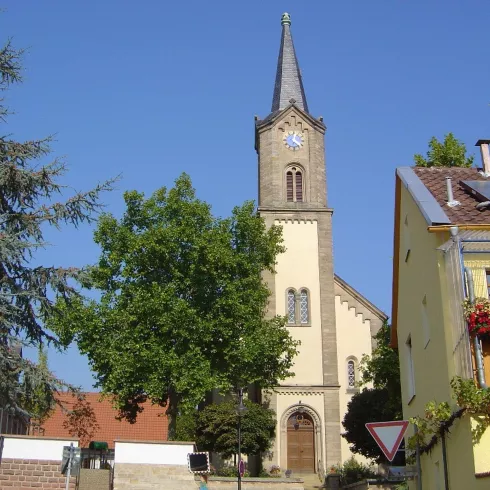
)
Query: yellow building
[{"x": 441, "y": 257}]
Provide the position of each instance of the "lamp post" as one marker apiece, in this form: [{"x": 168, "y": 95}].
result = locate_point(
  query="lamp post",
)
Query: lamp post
[{"x": 241, "y": 409}]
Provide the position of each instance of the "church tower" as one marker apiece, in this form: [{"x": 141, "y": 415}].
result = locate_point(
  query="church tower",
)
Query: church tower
[{"x": 293, "y": 194}]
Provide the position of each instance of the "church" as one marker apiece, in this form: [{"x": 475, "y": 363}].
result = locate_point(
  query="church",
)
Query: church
[{"x": 334, "y": 322}]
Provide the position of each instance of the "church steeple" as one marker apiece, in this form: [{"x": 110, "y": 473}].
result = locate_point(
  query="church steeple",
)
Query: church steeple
[{"x": 289, "y": 84}]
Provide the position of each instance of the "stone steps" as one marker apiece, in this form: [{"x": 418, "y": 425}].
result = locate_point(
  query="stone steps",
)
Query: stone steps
[{"x": 311, "y": 480}]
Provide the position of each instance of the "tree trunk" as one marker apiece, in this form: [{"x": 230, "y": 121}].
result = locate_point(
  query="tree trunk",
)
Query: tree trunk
[{"x": 172, "y": 411}]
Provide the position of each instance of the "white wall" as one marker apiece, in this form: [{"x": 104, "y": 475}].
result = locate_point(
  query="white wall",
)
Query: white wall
[
  {"x": 41, "y": 448},
  {"x": 152, "y": 453},
  {"x": 296, "y": 268},
  {"x": 353, "y": 340}
]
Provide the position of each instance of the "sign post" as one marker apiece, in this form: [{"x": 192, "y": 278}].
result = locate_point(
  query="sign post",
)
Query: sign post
[
  {"x": 388, "y": 435},
  {"x": 70, "y": 462}
]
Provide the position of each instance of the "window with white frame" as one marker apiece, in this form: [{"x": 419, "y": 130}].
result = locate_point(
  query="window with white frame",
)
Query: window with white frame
[
  {"x": 406, "y": 238},
  {"x": 409, "y": 368},
  {"x": 425, "y": 321}
]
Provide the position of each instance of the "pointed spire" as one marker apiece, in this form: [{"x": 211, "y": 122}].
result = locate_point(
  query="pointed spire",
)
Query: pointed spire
[{"x": 289, "y": 85}]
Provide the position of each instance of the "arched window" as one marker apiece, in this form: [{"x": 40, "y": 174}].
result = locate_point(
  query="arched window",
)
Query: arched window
[
  {"x": 304, "y": 314},
  {"x": 351, "y": 374},
  {"x": 291, "y": 299},
  {"x": 294, "y": 185}
]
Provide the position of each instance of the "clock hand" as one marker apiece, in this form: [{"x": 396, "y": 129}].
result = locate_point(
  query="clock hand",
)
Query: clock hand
[{"x": 295, "y": 140}]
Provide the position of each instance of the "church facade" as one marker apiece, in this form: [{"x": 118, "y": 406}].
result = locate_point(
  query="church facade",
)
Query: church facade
[{"x": 334, "y": 323}]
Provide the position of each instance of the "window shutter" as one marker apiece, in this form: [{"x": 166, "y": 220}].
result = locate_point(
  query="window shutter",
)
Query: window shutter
[
  {"x": 299, "y": 187},
  {"x": 289, "y": 186}
]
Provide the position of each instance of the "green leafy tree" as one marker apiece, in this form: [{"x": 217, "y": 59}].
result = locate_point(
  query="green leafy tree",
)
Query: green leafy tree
[
  {"x": 31, "y": 202},
  {"x": 369, "y": 405},
  {"x": 182, "y": 303},
  {"x": 382, "y": 368},
  {"x": 216, "y": 428},
  {"x": 378, "y": 404},
  {"x": 41, "y": 400},
  {"x": 450, "y": 153}
]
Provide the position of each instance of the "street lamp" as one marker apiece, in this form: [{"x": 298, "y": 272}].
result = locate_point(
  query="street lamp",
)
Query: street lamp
[{"x": 241, "y": 409}]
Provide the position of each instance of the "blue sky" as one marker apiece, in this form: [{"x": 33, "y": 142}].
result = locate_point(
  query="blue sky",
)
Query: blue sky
[{"x": 150, "y": 89}]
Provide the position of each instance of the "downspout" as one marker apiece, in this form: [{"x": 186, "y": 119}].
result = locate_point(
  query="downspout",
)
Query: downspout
[{"x": 480, "y": 373}]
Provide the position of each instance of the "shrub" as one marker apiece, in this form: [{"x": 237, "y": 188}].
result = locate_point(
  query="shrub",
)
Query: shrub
[
  {"x": 230, "y": 472},
  {"x": 352, "y": 471}
]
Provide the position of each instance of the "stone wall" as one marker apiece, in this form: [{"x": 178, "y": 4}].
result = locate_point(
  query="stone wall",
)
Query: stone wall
[
  {"x": 370, "y": 484},
  {"x": 94, "y": 479},
  {"x": 16, "y": 474},
  {"x": 217, "y": 483},
  {"x": 129, "y": 476}
]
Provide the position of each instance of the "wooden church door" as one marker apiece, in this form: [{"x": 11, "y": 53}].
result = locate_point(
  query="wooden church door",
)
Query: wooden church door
[{"x": 301, "y": 443}]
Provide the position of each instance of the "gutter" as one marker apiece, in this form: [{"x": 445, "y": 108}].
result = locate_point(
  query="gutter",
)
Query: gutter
[{"x": 441, "y": 228}]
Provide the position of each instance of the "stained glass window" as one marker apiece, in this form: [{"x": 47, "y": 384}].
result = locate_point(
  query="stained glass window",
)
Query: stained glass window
[
  {"x": 351, "y": 374},
  {"x": 291, "y": 306},
  {"x": 303, "y": 306}
]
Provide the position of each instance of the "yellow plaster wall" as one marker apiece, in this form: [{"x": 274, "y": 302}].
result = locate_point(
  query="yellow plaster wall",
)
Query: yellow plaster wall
[
  {"x": 420, "y": 277},
  {"x": 424, "y": 274},
  {"x": 353, "y": 341},
  {"x": 481, "y": 453},
  {"x": 296, "y": 268}
]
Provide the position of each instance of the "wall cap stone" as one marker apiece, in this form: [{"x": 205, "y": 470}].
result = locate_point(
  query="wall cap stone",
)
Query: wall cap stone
[
  {"x": 44, "y": 438},
  {"x": 169, "y": 443},
  {"x": 252, "y": 479}
]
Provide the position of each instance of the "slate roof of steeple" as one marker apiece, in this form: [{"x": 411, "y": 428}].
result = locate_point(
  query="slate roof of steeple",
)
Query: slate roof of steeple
[{"x": 289, "y": 84}]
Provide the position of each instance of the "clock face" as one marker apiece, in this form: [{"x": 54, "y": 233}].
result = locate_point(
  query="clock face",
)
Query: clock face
[{"x": 294, "y": 140}]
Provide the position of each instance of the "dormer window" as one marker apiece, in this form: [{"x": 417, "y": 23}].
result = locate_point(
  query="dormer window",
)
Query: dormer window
[{"x": 294, "y": 185}]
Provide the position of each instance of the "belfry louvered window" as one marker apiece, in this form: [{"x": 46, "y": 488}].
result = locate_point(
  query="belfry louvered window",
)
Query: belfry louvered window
[
  {"x": 299, "y": 187},
  {"x": 291, "y": 298},
  {"x": 289, "y": 185},
  {"x": 294, "y": 185},
  {"x": 303, "y": 306}
]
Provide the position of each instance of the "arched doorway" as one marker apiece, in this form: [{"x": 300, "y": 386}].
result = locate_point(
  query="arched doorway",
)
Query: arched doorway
[{"x": 301, "y": 443}]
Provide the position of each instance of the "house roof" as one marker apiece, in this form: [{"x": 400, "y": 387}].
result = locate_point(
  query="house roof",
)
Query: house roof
[
  {"x": 428, "y": 188},
  {"x": 151, "y": 423},
  {"x": 434, "y": 179}
]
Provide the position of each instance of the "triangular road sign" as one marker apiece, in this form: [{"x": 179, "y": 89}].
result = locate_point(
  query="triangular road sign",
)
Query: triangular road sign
[{"x": 388, "y": 435}]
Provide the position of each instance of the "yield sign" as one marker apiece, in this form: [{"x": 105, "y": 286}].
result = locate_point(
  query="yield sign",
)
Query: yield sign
[{"x": 388, "y": 435}]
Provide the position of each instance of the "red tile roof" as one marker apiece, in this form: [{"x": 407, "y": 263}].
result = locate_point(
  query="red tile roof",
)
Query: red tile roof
[
  {"x": 434, "y": 178},
  {"x": 151, "y": 423}
]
